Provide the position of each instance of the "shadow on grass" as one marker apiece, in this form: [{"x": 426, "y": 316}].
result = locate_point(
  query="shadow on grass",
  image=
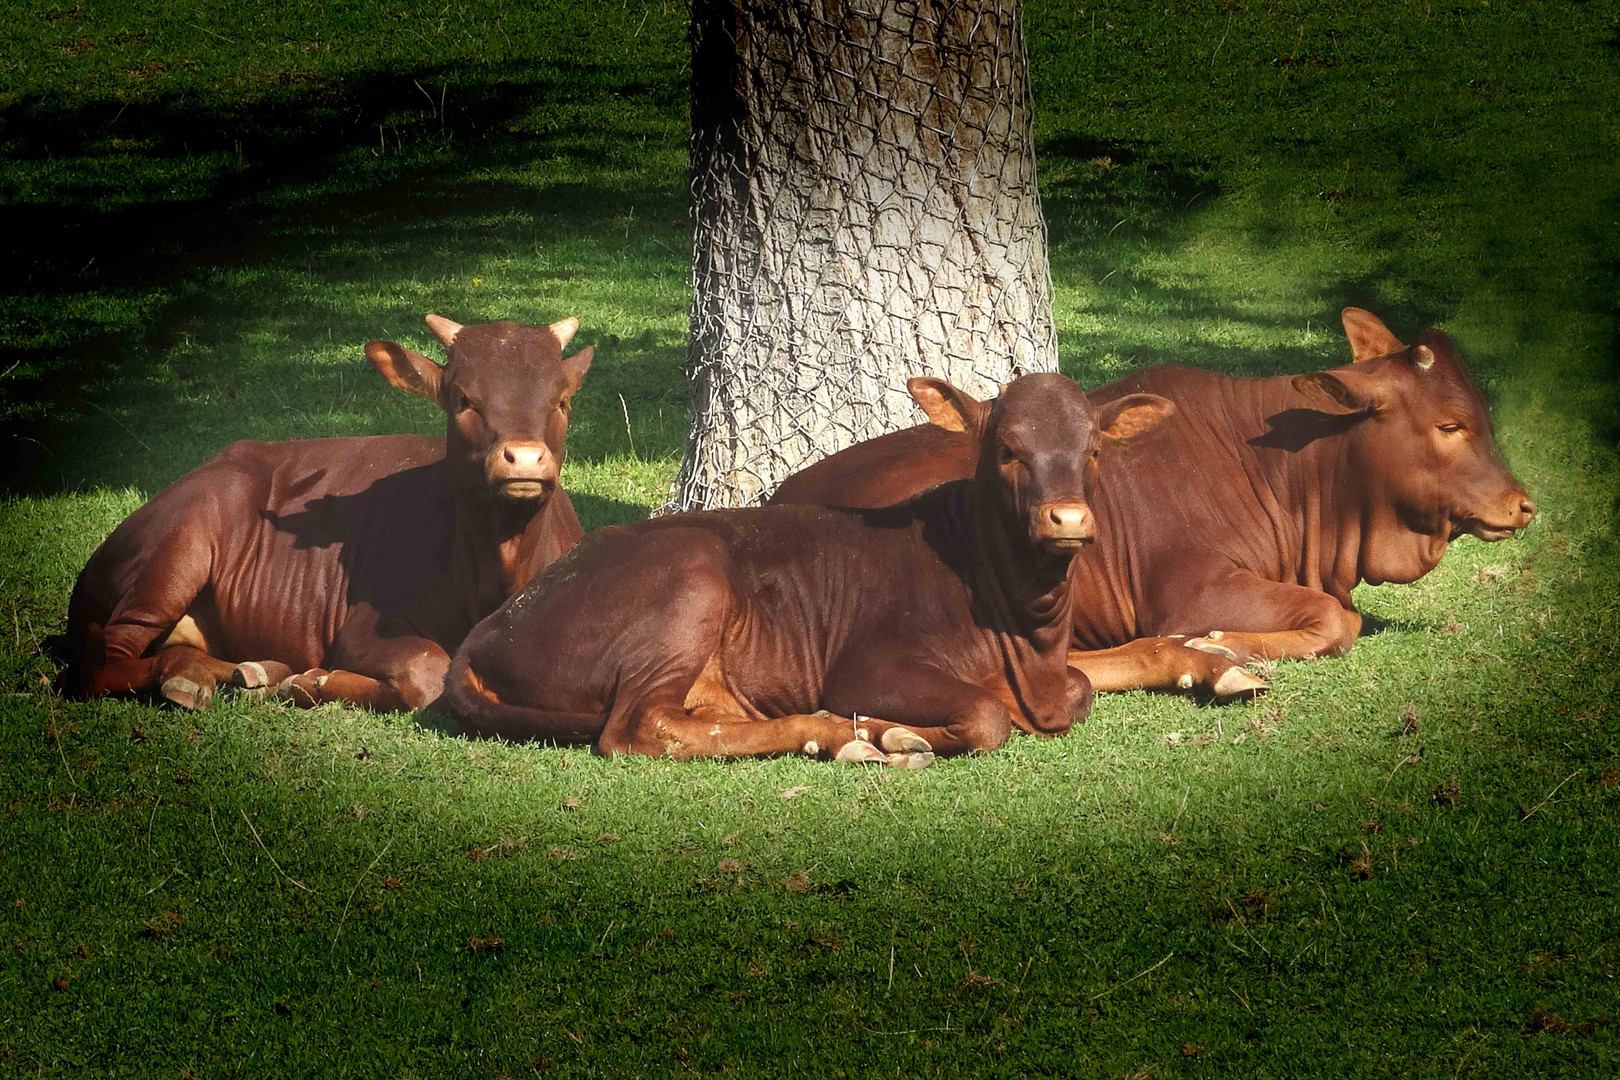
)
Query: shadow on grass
[
  {"x": 596, "y": 512},
  {"x": 1373, "y": 625},
  {"x": 1107, "y": 200},
  {"x": 210, "y": 270},
  {"x": 183, "y": 258},
  {"x": 1093, "y": 188},
  {"x": 283, "y": 136}
]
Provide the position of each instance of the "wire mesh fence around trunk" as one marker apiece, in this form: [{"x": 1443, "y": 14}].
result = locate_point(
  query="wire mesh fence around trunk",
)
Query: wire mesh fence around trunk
[{"x": 865, "y": 210}]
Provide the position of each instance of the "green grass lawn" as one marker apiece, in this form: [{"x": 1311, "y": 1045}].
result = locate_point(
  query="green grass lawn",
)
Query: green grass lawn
[{"x": 1404, "y": 862}]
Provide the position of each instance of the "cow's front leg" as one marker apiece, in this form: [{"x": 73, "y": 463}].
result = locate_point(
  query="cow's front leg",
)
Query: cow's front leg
[
  {"x": 658, "y": 725},
  {"x": 919, "y": 705},
  {"x": 1243, "y": 617},
  {"x": 259, "y": 679},
  {"x": 406, "y": 676},
  {"x": 318, "y": 686},
  {"x": 179, "y": 671},
  {"x": 1166, "y": 665}
]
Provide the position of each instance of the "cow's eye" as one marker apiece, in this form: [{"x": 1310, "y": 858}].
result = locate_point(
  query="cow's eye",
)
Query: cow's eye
[
  {"x": 1005, "y": 456},
  {"x": 463, "y": 403},
  {"x": 1451, "y": 427}
]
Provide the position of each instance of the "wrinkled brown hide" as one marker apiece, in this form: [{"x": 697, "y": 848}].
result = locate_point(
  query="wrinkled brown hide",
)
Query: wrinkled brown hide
[
  {"x": 342, "y": 569},
  {"x": 1244, "y": 522},
  {"x": 887, "y": 635}
]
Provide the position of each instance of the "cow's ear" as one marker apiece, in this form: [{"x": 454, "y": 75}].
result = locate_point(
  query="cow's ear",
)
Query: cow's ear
[
  {"x": 410, "y": 371},
  {"x": 1131, "y": 415},
  {"x": 948, "y": 407},
  {"x": 1368, "y": 335},
  {"x": 575, "y": 367},
  {"x": 1332, "y": 394}
]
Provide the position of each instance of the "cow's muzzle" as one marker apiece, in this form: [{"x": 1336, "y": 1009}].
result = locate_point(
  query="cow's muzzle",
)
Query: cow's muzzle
[
  {"x": 522, "y": 470},
  {"x": 1522, "y": 508},
  {"x": 1063, "y": 526}
]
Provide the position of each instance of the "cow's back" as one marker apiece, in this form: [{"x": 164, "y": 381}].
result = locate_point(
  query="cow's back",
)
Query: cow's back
[
  {"x": 1171, "y": 500},
  {"x": 294, "y": 534},
  {"x": 1189, "y": 492},
  {"x": 799, "y": 582},
  {"x": 883, "y": 471}
]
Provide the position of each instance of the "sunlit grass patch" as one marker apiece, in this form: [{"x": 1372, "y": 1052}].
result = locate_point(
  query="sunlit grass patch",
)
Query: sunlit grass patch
[{"x": 1399, "y": 862}]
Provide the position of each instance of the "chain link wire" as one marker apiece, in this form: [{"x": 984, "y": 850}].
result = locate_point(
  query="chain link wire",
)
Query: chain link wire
[{"x": 865, "y": 210}]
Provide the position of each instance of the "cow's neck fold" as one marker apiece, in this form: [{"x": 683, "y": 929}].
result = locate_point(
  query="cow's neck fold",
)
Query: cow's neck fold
[
  {"x": 1395, "y": 550},
  {"x": 1025, "y": 601},
  {"x": 1317, "y": 492},
  {"x": 1331, "y": 507},
  {"x": 496, "y": 546},
  {"x": 1362, "y": 535}
]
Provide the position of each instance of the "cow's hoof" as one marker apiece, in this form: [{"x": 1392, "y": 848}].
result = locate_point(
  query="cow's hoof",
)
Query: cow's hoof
[
  {"x": 899, "y": 740},
  {"x": 860, "y": 752},
  {"x": 1210, "y": 643},
  {"x": 303, "y": 691},
  {"x": 1234, "y": 682},
  {"x": 187, "y": 694},
  {"x": 260, "y": 675},
  {"x": 258, "y": 681},
  {"x": 913, "y": 760},
  {"x": 250, "y": 676}
]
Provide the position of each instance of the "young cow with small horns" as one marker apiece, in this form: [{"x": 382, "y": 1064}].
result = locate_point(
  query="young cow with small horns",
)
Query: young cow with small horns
[
  {"x": 342, "y": 569},
  {"x": 938, "y": 625}
]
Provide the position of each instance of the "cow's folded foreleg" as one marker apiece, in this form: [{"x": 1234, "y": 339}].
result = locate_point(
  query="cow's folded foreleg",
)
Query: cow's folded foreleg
[
  {"x": 181, "y": 674},
  {"x": 260, "y": 678},
  {"x": 921, "y": 701},
  {"x": 684, "y": 734},
  {"x": 1166, "y": 664},
  {"x": 321, "y": 687},
  {"x": 400, "y": 674},
  {"x": 1245, "y": 617}
]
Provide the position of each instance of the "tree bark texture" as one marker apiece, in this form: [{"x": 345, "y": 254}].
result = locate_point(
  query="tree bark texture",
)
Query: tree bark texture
[{"x": 865, "y": 210}]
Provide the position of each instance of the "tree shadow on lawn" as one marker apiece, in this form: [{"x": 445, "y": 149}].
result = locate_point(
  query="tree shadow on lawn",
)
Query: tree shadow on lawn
[
  {"x": 153, "y": 329},
  {"x": 597, "y": 512},
  {"x": 1106, "y": 201},
  {"x": 1373, "y": 625}
]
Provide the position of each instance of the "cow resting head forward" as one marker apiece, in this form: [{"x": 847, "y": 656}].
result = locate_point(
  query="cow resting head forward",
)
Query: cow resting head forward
[
  {"x": 1040, "y": 444},
  {"x": 505, "y": 391},
  {"x": 1421, "y": 447}
]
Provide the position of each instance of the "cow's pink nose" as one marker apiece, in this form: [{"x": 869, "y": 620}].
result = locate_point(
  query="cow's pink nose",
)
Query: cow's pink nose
[
  {"x": 519, "y": 462},
  {"x": 1067, "y": 521},
  {"x": 1067, "y": 517}
]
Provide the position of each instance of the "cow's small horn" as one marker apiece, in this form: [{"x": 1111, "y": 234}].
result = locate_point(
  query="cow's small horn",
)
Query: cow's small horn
[
  {"x": 443, "y": 328},
  {"x": 1423, "y": 356},
  {"x": 564, "y": 330}
]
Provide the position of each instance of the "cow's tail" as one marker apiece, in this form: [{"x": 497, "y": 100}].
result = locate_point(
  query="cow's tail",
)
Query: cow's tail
[{"x": 482, "y": 713}]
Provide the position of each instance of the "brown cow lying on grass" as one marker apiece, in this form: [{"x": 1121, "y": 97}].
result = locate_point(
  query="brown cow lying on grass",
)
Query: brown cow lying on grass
[
  {"x": 357, "y": 564},
  {"x": 885, "y": 636},
  {"x": 1241, "y": 526}
]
